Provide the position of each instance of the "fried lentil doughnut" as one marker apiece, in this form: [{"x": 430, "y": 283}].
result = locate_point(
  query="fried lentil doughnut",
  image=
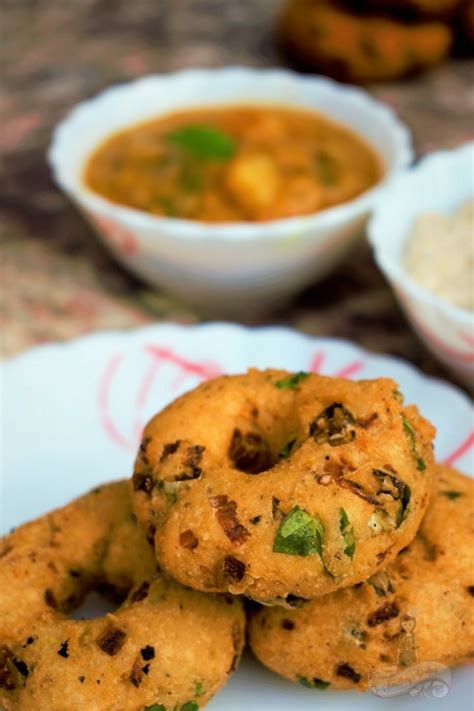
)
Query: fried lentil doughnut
[
  {"x": 282, "y": 486},
  {"x": 164, "y": 648},
  {"x": 361, "y": 48},
  {"x": 419, "y": 611}
]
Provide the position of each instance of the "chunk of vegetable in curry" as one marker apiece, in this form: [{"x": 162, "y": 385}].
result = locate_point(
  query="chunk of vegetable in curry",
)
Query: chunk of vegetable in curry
[{"x": 233, "y": 163}]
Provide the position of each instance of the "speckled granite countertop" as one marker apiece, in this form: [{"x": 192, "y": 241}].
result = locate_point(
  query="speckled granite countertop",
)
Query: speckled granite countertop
[{"x": 57, "y": 280}]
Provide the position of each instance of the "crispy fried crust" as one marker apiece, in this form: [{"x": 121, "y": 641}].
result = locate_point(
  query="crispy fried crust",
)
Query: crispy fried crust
[
  {"x": 164, "y": 644},
  {"x": 416, "y": 613},
  {"x": 328, "y": 38},
  {"x": 282, "y": 489}
]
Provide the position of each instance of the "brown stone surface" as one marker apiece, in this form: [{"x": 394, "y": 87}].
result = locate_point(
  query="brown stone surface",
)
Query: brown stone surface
[{"x": 57, "y": 280}]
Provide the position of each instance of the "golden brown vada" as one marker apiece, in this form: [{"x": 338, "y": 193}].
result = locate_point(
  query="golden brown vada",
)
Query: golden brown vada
[
  {"x": 399, "y": 625},
  {"x": 281, "y": 486},
  {"x": 328, "y": 38},
  {"x": 165, "y": 647}
]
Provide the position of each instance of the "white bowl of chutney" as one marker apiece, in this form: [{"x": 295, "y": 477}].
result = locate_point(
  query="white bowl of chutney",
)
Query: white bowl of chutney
[
  {"x": 232, "y": 267},
  {"x": 440, "y": 183}
]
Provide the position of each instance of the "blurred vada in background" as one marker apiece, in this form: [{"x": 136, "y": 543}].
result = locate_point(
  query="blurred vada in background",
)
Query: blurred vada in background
[{"x": 374, "y": 40}]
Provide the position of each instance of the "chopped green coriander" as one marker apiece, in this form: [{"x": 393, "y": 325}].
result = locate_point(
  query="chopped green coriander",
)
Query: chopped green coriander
[
  {"x": 410, "y": 433},
  {"x": 198, "y": 689},
  {"x": 285, "y": 451},
  {"x": 402, "y": 512},
  {"x": 292, "y": 382},
  {"x": 397, "y": 395},
  {"x": 451, "y": 495},
  {"x": 190, "y": 706},
  {"x": 299, "y": 534},
  {"x": 155, "y": 707},
  {"x": 347, "y": 533},
  {"x": 204, "y": 142},
  {"x": 314, "y": 683},
  {"x": 327, "y": 168}
]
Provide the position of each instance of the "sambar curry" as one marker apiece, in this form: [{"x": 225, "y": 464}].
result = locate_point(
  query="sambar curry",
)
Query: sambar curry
[{"x": 233, "y": 163}]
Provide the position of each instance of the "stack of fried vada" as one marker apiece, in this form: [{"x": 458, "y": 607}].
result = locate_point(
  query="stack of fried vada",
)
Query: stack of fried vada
[
  {"x": 165, "y": 647},
  {"x": 403, "y": 623},
  {"x": 317, "y": 497},
  {"x": 373, "y": 40}
]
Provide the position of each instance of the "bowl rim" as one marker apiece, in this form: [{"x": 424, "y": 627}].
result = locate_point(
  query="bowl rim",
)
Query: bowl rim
[
  {"x": 394, "y": 270},
  {"x": 193, "y": 229}
]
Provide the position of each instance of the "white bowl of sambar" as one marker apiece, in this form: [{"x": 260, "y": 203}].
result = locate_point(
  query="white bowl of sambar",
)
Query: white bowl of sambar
[{"x": 232, "y": 188}]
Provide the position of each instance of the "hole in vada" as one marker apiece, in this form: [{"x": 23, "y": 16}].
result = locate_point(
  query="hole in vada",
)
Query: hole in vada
[
  {"x": 252, "y": 452},
  {"x": 90, "y": 599},
  {"x": 94, "y": 605},
  {"x": 249, "y": 453}
]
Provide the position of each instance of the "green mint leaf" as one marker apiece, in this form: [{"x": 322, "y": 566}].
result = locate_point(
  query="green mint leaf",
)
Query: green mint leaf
[
  {"x": 299, "y": 534},
  {"x": 204, "y": 142},
  {"x": 410, "y": 433},
  {"x": 292, "y": 382},
  {"x": 314, "y": 683},
  {"x": 402, "y": 512},
  {"x": 347, "y": 533},
  {"x": 451, "y": 495},
  {"x": 285, "y": 451},
  {"x": 344, "y": 519}
]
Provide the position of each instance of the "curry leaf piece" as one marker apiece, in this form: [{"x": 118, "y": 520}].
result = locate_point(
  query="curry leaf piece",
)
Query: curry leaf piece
[
  {"x": 203, "y": 141},
  {"x": 292, "y": 382},
  {"x": 402, "y": 512},
  {"x": 347, "y": 533},
  {"x": 410, "y": 433},
  {"x": 314, "y": 683},
  {"x": 299, "y": 534}
]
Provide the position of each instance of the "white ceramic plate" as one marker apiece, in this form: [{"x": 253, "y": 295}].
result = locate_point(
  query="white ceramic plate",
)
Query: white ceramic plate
[{"x": 72, "y": 416}]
